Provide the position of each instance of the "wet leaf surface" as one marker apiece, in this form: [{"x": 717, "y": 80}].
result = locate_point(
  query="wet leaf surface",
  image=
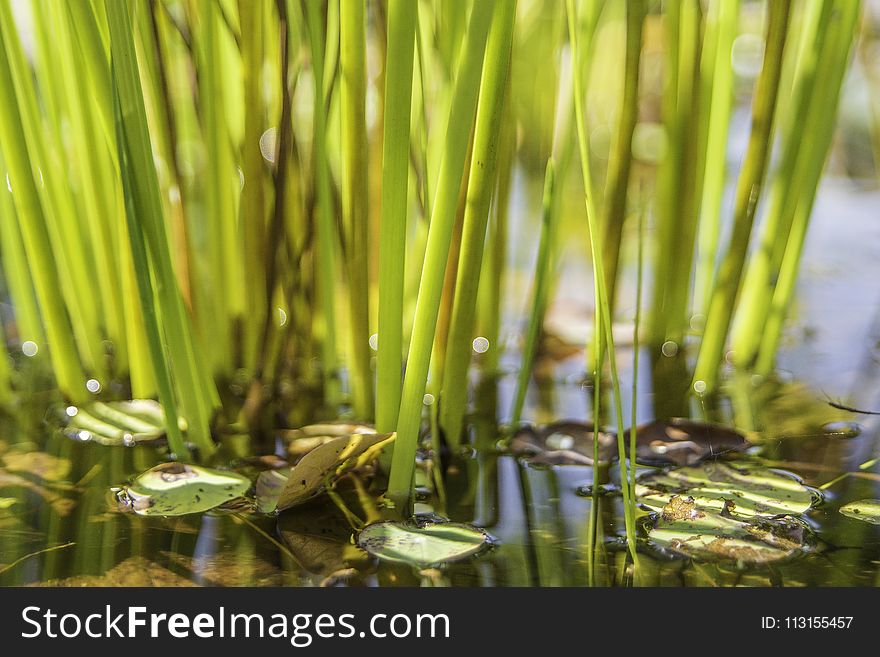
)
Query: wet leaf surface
[
  {"x": 743, "y": 490},
  {"x": 562, "y": 443},
  {"x": 865, "y": 510},
  {"x": 422, "y": 544},
  {"x": 175, "y": 489},
  {"x": 714, "y": 536},
  {"x": 116, "y": 423},
  {"x": 684, "y": 442},
  {"x": 303, "y": 440},
  {"x": 325, "y": 463}
]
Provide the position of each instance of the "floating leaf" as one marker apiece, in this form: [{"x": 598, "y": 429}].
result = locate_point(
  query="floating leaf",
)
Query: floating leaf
[
  {"x": 562, "y": 443},
  {"x": 745, "y": 490},
  {"x": 866, "y": 510},
  {"x": 684, "y": 442},
  {"x": 423, "y": 544},
  {"x": 7, "y": 502},
  {"x": 327, "y": 462},
  {"x": 713, "y": 536},
  {"x": 117, "y": 423},
  {"x": 175, "y": 489}
]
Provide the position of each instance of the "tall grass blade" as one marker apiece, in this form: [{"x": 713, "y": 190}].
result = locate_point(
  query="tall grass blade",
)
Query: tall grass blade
[
  {"x": 144, "y": 212},
  {"x": 402, "y": 23},
  {"x": 355, "y": 200},
  {"x": 748, "y": 191},
  {"x": 464, "y": 101}
]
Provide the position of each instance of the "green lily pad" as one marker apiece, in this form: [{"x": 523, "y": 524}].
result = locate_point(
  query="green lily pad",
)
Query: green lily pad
[
  {"x": 865, "y": 510},
  {"x": 716, "y": 537},
  {"x": 743, "y": 490},
  {"x": 116, "y": 423},
  {"x": 176, "y": 489},
  {"x": 327, "y": 462},
  {"x": 422, "y": 544}
]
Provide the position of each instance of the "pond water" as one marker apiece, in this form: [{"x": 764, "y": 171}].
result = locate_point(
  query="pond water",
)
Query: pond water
[{"x": 61, "y": 525}]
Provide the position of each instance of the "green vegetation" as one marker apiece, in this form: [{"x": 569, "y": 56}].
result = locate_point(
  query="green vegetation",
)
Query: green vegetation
[{"x": 270, "y": 213}]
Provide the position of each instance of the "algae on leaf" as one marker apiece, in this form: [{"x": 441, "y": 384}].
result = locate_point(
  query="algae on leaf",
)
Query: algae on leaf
[{"x": 713, "y": 536}]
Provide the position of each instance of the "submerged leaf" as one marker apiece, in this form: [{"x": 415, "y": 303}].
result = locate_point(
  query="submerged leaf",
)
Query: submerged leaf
[
  {"x": 713, "y": 536},
  {"x": 117, "y": 423},
  {"x": 423, "y": 544},
  {"x": 327, "y": 462},
  {"x": 743, "y": 490},
  {"x": 684, "y": 442},
  {"x": 175, "y": 489},
  {"x": 866, "y": 510},
  {"x": 40, "y": 464}
]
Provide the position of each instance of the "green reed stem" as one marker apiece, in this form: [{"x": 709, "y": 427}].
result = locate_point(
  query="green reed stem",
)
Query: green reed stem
[
  {"x": 492, "y": 279},
  {"x": 402, "y": 20},
  {"x": 33, "y": 226},
  {"x": 355, "y": 200},
  {"x": 253, "y": 210},
  {"x": 540, "y": 294},
  {"x": 226, "y": 283},
  {"x": 98, "y": 207},
  {"x": 464, "y": 101},
  {"x": 17, "y": 272},
  {"x": 481, "y": 185},
  {"x": 679, "y": 196},
  {"x": 841, "y": 30},
  {"x": 764, "y": 264},
  {"x": 69, "y": 249},
  {"x": 326, "y": 225},
  {"x": 602, "y": 306},
  {"x": 717, "y": 90},
  {"x": 144, "y": 213},
  {"x": 748, "y": 192},
  {"x": 620, "y": 162},
  {"x": 157, "y": 351}
]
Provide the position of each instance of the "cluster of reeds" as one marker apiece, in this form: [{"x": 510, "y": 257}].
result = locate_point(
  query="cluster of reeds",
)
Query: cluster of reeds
[{"x": 230, "y": 205}]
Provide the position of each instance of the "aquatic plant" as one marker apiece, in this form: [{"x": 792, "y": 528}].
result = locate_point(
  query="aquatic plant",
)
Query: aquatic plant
[{"x": 228, "y": 207}]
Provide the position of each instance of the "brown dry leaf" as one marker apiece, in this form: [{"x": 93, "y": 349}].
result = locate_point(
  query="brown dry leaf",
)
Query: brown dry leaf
[{"x": 325, "y": 462}]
